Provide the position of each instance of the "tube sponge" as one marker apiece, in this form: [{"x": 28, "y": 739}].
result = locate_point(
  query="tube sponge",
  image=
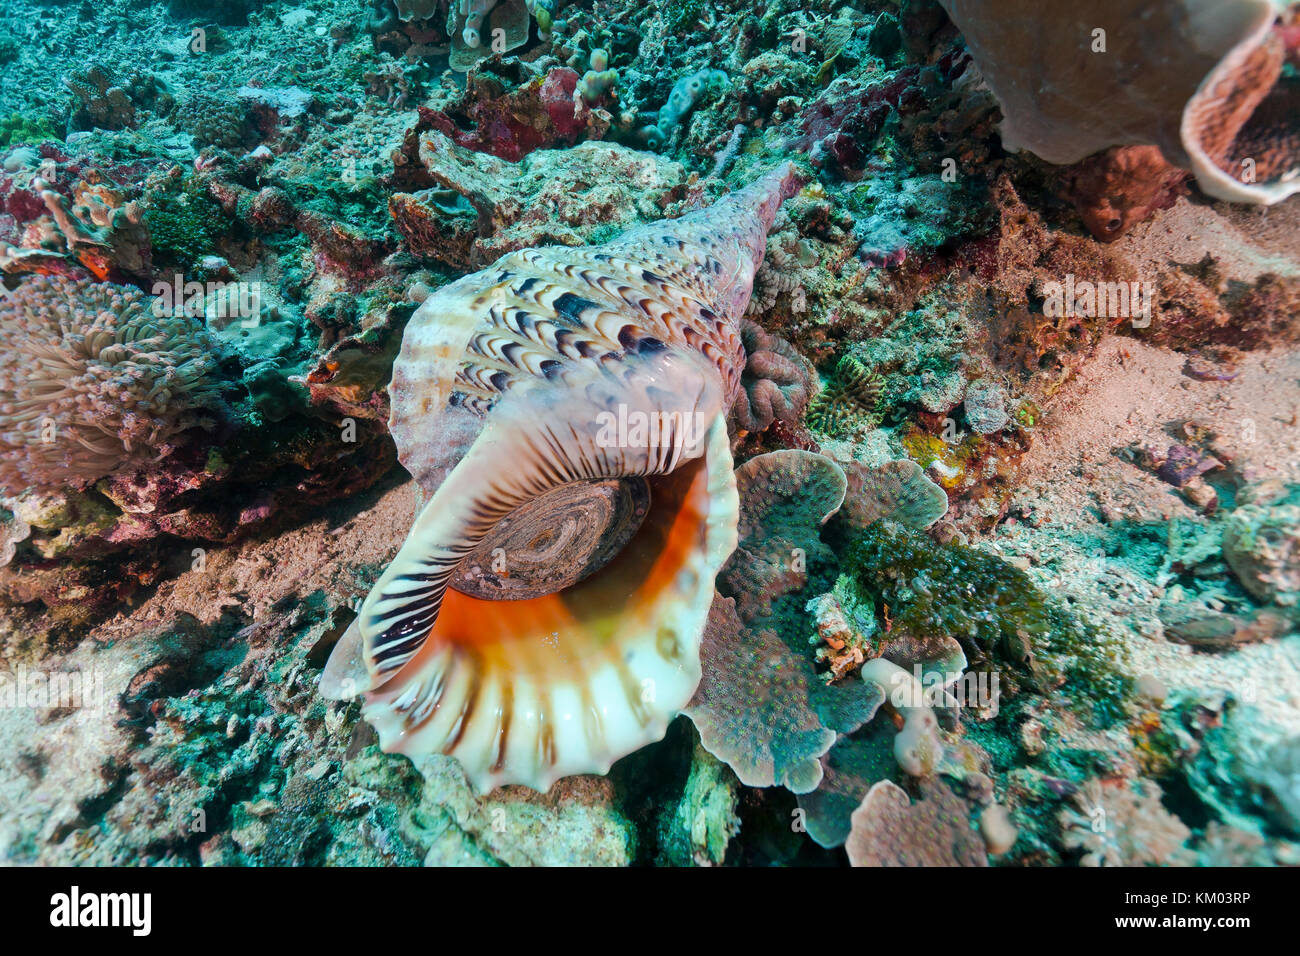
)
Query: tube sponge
[
  {"x": 917, "y": 747},
  {"x": 686, "y": 93}
]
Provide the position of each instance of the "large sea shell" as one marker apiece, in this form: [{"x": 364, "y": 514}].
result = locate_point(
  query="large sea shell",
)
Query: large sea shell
[{"x": 526, "y": 398}]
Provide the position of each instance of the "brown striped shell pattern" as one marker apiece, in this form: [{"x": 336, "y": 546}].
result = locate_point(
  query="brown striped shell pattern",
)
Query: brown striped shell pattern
[{"x": 564, "y": 415}]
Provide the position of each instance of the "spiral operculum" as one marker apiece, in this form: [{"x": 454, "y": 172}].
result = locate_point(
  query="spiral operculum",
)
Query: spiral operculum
[{"x": 555, "y": 541}]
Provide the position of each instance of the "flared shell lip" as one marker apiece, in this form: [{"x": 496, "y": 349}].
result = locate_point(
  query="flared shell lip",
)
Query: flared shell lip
[{"x": 696, "y": 596}]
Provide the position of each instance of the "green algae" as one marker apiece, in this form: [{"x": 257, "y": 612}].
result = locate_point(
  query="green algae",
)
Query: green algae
[
  {"x": 993, "y": 608},
  {"x": 184, "y": 223},
  {"x": 24, "y": 129}
]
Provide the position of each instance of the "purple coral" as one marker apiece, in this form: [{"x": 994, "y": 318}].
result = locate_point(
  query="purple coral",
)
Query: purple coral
[
  {"x": 778, "y": 381},
  {"x": 93, "y": 383},
  {"x": 890, "y": 830}
]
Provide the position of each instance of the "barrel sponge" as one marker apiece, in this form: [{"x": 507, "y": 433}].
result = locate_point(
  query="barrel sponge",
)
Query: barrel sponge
[{"x": 1201, "y": 79}]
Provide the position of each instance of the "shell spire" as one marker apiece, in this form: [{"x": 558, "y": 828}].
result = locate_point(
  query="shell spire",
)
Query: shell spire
[{"x": 522, "y": 394}]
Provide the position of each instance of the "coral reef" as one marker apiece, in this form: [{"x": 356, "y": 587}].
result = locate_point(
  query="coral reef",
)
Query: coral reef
[
  {"x": 760, "y": 706},
  {"x": 994, "y": 610},
  {"x": 1010, "y": 412}
]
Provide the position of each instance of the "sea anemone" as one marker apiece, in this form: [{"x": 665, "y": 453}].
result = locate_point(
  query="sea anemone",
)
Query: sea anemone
[{"x": 93, "y": 383}]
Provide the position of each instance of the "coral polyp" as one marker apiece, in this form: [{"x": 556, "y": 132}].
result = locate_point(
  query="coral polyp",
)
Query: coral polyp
[{"x": 849, "y": 402}]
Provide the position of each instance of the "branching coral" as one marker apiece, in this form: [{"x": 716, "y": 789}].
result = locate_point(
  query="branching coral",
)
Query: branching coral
[
  {"x": 101, "y": 231},
  {"x": 66, "y": 216},
  {"x": 93, "y": 383}
]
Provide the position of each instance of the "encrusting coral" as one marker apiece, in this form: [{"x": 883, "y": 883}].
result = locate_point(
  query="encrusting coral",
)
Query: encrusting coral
[
  {"x": 93, "y": 382},
  {"x": 891, "y": 830},
  {"x": 761, "y": 706},
  {"x": 896, "y": 491}
]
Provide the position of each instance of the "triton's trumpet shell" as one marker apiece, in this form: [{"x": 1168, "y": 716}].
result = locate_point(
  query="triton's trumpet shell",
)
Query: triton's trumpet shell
[{"x": 565, "y": 410}]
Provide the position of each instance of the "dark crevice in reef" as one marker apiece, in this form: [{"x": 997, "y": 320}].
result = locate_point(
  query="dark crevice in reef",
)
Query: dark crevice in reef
[
  {"x": 193, "y": 656},
  {"x": 91, "y": 810},
  {"x": 651, "y": 779}
]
